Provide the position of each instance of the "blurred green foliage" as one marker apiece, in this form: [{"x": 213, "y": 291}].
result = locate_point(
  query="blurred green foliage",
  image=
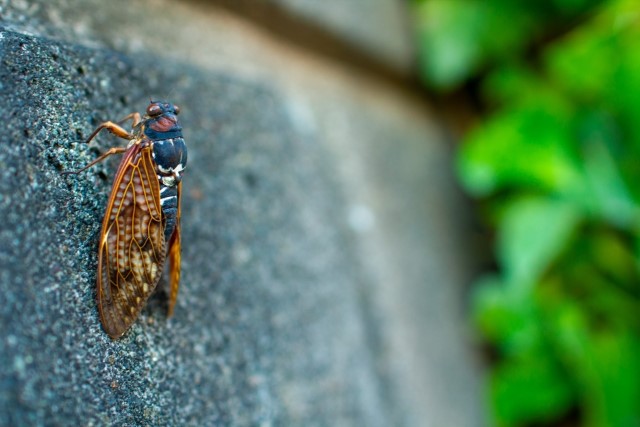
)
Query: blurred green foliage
[{"x": 556, "y": 165}]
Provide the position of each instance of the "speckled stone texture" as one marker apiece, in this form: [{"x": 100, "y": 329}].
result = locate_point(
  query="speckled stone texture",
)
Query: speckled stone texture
[
  {"x": 266, "y": 272},
  {"x": 324, "y": 253}
]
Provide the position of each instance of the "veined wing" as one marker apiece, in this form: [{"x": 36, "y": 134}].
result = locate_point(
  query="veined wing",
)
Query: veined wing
[{"x": 132, "y": 248}]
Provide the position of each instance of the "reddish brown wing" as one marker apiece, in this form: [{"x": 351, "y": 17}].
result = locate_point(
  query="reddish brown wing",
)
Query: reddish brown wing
[
  {"x": 132, "y": 247},
  {"x": 174, "y": 257}
]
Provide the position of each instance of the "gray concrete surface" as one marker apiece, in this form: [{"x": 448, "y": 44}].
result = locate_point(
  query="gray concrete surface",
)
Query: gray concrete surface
[
  {"x": 379, "y": 29},
  {"x": 324, "y": 258}
]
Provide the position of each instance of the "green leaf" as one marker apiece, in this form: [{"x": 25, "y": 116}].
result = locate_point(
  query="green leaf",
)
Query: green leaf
[
  {"x": 525, "y": 147},
  {"x": 529, "y": 389},
  {"x": 448, "y": 34},
  {"x": 614, "y": 258},
  {"x": 610, "y": 195},
  {"x": 503, "y": 316},
  {"x": 614, "y": 381},
  {"x": 606, "y": 365},
  {"x": 532, "y": 233}
]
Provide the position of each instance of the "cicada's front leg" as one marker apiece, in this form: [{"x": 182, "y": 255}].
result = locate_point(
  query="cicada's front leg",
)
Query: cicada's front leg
[{"x": 115, "y": 129}]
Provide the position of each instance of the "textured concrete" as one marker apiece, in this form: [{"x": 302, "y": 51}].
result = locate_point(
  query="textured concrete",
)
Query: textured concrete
[
  {"x": 381, "y": 27},
  {"x": 376, "y": 28},
  {"x": 323, "y": 258},
  {"x": 261, "y": 259}
]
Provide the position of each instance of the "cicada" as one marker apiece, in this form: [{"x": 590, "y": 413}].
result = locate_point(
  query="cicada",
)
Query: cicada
[{"x": 141, "y": 226}]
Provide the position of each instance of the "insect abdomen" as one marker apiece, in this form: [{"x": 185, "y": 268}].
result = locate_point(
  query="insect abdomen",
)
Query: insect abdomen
[{"x": 169, "y": 204}]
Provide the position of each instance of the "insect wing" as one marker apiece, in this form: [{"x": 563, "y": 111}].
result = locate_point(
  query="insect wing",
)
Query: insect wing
[
  {"x": 132, "y": 247},
  {"x": 174, "y": 257}
]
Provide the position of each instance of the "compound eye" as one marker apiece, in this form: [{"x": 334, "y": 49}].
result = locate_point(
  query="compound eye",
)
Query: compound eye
[
  {"x": 176, "y": 109},
  {"x": 154, "y": 110}
]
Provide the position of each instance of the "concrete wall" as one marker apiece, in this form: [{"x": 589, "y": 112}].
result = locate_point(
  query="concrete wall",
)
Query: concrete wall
[{"x": 324, "y": 254}]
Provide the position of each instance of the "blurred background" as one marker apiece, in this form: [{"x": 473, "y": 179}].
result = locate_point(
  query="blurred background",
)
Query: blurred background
[{"x": 545, "y": 96}]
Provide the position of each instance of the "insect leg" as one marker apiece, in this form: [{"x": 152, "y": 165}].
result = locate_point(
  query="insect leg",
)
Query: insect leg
[
  {"x": 114, "y": 150},
  {"x": 114, "y": 129},
  {"x": 135, "y": 117},
  {"x": 111, "y": 127}
]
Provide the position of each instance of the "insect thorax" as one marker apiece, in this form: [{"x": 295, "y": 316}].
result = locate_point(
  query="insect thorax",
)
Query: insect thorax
[{"x": 170, "y": 157}]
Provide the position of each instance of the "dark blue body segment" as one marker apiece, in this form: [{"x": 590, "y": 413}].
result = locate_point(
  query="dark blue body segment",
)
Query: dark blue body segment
[
  {"x": 155, "y": 135},
  {"x": 170, "y": 154},
  {"x": 169, "y": 203}
]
